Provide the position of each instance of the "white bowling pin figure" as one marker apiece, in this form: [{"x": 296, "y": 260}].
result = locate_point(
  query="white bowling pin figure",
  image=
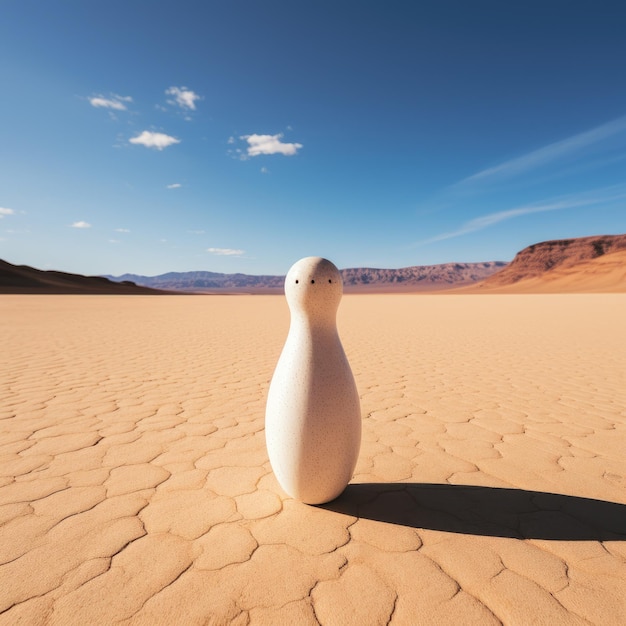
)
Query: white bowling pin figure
[{"x": 313, "y": 414}]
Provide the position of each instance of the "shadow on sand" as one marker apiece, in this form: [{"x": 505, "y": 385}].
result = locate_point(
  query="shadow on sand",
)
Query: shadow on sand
[{"x": 488, "y": 511}]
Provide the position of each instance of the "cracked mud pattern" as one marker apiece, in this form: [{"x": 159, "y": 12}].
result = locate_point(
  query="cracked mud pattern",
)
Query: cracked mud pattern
[{"x": 135, "y": 486}]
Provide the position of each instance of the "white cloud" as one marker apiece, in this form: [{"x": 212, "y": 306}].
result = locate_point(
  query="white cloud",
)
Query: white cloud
[
  {"x": 151, "y": 139},
  {"x": 122, "y": 230},
  {"x": 484, "y": 221},
  {"x": 264, "y": 170},
  {"x": 4, "y": 212},
  {"x": 550, "y": 153},
  {"x": 81, "y": 224},
  {"x": 225, "y": 251},
  {"x": 594, "y": 197},
  {"x": 183, "y": 97},
  {"x": 173, "y": 186},
  {"x": 269, "y": 144},
  {"x": 231, "y": 140},
  {"x": 113, "y": 102}
]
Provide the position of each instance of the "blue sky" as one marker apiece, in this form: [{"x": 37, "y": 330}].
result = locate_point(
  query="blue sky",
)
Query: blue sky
[{"x": 237, "y": 136}]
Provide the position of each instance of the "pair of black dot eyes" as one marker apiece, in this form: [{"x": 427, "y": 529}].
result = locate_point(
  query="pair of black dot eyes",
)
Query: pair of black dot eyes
[{"x": 312, "y": 281}]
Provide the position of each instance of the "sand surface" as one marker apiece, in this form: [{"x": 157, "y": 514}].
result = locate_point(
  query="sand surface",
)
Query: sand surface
[{"x": 135, "y": 486}]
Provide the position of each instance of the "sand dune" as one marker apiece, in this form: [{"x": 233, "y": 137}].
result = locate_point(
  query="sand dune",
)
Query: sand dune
[{"x": 135, "y": 486}]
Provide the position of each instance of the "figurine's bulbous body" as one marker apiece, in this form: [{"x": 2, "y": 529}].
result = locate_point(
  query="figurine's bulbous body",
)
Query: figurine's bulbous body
[{"x": 313, "y": 415}]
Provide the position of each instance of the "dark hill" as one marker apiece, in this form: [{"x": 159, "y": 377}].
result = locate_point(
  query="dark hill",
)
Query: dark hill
[{"x": 28, "y": 280}]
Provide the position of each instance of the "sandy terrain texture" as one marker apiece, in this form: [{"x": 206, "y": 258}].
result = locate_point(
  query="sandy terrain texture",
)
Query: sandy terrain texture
[{"x": 135, "y": 486}]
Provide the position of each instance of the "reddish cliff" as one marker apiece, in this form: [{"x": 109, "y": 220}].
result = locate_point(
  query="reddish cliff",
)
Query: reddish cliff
[{"x": 565, "y": 265}]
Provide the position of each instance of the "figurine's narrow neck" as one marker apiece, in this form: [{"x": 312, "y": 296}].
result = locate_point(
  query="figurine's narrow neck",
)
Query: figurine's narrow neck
[{"x": 319, "y": 323}]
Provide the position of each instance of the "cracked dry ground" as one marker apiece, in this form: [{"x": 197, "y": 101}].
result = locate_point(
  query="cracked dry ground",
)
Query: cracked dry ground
[{"x": 135, "y": 486}]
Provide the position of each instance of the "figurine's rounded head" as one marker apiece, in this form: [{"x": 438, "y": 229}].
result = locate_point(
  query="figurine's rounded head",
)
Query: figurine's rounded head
[{"x": 314, "y": 286}]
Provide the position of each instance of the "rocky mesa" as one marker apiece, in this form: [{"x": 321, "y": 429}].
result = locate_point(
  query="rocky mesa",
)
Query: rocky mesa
[{"x": 585, "y": 264}]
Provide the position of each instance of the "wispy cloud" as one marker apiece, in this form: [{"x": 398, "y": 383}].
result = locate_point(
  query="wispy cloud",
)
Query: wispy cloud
[
  {"x": 80, "y": 224},
  {"x": 595, "y": 197},
  {"x": 225, "y": 251},
  {"x": 173, "y": 186},
  {"x": 269, "y": 144},
  {"x": 122, "y": 230},
  {"x": 183, "y": 97},
  {"x": 549, "y": 154},
  {"x": 157, "y": 141},
  {"x": 4, "y": 212},
  {"x": 118, "y": 103}
]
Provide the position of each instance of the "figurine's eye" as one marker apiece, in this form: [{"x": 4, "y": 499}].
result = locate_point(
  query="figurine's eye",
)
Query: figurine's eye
[
  {"x": 330, "y": 281},
  {"x": 297, "y": 281},
  {"x": 312, "y": 282}
]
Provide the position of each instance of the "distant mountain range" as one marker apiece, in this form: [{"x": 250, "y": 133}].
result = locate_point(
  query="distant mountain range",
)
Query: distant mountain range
[
  {"x": 417, "y": 278},
  {"x": 585, "y": 264}
]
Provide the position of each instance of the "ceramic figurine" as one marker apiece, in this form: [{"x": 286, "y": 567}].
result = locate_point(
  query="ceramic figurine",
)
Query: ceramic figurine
[{"x": 313, "y": 414}]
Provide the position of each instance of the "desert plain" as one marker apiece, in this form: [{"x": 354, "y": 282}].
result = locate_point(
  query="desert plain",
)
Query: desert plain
[{"x": 135, "y": 486}]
